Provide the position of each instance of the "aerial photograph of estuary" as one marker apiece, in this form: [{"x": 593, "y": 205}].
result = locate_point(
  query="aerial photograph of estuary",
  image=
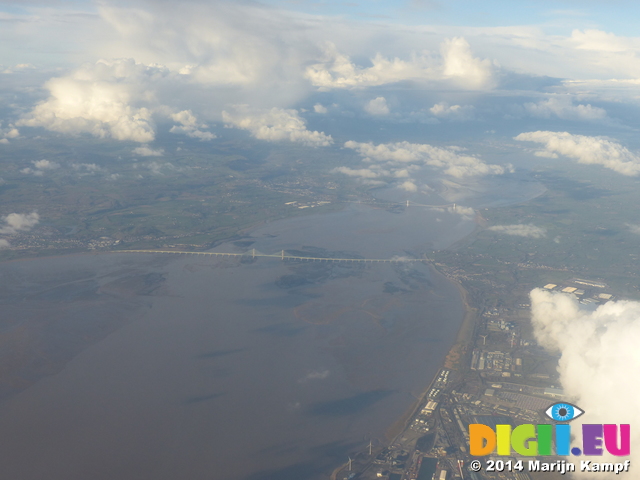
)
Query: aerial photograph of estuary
[{"x": 275, "y": 240}]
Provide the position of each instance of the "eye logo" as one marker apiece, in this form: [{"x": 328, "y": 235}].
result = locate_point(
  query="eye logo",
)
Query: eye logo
[{"x": 563, "y": 412}]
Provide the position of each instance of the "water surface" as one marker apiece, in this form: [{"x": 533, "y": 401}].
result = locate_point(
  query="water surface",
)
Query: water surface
[{"x": 131, "y": 366}]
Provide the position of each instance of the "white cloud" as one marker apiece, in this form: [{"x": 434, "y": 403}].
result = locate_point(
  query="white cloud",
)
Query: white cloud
[
  {"x": 214, "y": 44},
  {"x": 585, "y": 149},
  {"x": 40, "y": 167},
  {"x": 634, "y": 228},
  {"x": 189, "y": 126},
  {"x": 316, "y": 375},
  {"x": 378, "y": 106},
  {"x": 146, "y": 151},
  {"x": 4, "y": 244},
  {"x": 453, "y": 112},
  {"x": 318, "y": 108},
  {"x": 599, "y": 41},
  {"x": 86, "y": 168},
  {"x": 10, "y": 132},
  {"x": 19, "y": 222},
  {"x": 465, "y": 212},
  {"x": 529, "y": 230},
  {"x": 400, "y": 155},
  {"x": 357, "y": 172},
  {"x": 563, "y": 108},
  {"x": 463, "y": 68},
  {"x": 598, "y": 350},
  {"x": 456, "y": 66},
  {"x": 160, "y": 168},
  {"x": 276, "y": 125},
  {"x": 100, "y": 99},
  {"x": 45, "y": 164},
  {"x": 408, "y": 186},
  {"x": 18, "y": 67}
]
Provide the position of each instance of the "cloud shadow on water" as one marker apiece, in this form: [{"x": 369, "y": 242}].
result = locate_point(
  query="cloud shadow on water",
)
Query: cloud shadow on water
[
  {"x": 281, "y": 329},
  {"x": 202, "y": 398},
  {"x": 219, "y": 353},
  {"x": 326, "y": 458},
  {"x": 350, "y": 405}
]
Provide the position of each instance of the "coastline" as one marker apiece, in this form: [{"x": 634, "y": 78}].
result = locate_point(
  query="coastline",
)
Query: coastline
[
  {"x": 450, "y": 361},
  {"x": 464, "y": 336}
]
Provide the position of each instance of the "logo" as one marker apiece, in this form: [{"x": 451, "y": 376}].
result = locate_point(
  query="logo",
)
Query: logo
[{"x": 537, "y": 440}]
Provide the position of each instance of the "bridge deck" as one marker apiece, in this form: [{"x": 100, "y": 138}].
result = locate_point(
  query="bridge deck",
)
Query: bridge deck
[{"x": 281, "y": 256}]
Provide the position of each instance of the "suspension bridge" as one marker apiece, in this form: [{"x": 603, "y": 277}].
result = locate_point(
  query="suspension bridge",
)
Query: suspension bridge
[
  {"x": 408, "y": 203},
  {"x": 282, "y": 255}
]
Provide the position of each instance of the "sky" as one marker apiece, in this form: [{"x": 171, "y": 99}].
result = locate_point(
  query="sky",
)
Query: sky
[{"x": 406, "y": 87}]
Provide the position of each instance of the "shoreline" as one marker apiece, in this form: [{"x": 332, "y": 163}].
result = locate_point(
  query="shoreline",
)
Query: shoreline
[
  {"x": 464, "y": 336},
  {"x": 454, "y": 355}
]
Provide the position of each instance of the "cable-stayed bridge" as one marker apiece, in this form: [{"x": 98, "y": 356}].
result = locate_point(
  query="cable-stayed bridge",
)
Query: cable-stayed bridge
[{"x": 282, "y": 255}]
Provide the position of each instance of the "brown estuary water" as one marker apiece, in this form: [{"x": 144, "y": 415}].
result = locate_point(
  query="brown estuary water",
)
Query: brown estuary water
[{"x": 137, "y": 366}]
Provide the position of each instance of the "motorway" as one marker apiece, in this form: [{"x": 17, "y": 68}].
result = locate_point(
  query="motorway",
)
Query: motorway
[{"x": 282, "y": 256}]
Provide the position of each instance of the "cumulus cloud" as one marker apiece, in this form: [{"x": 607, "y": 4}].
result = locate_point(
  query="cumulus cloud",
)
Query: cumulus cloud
[
  {"x": 465, "y": 212},
  {"x": 103, "y": 99},
  {"x": 275, "y": 125},
  {"x": 528, "y": 230},
  {"x": 40, "y": 167},
  {"x": 189, "y": 126},
  {"x": 563, "y": 108},
  {"x": 318, "y": 108},
  {"x": 378, "y": 106},
  {"x": 146, "y": 151},
  {"x": 10, "y": 132},
  {"x": 401, "y": 155},
  {"x": 598, "y": 351},
  {"x": 17, "y": 68},
  {"x": 408, "y": 186},
  {"x": 18, "y": 222},
  {"x": 113, "y": 99},
  {"x": 45, "y": 164},
  {"x": 463, "y": 68},
  {"x": 634, "y": 228},
  {"x": 585, "y": 149},
  {"x": 453, "y": 112},
  {"x": 87, "y": 168},
  {"x": 457, "y": 66},
  {"x": 359, "y": 172},
  {"x": 4, "y": 244},
  {"x": 161, "y": 168}
]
